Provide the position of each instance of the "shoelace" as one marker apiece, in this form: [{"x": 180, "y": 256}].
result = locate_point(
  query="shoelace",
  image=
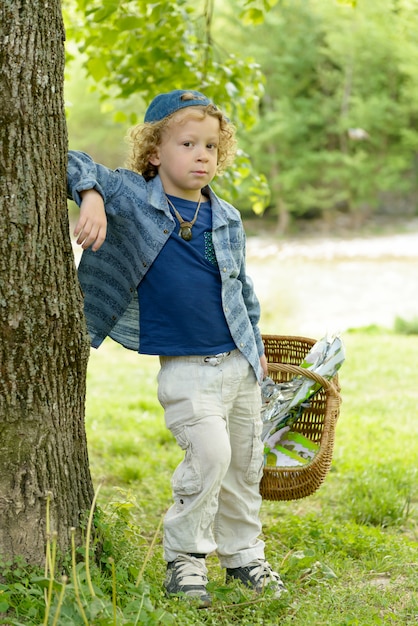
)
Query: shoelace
[
  {"x": 191, "y": 571},
  {"x": 262, "y": 572}
]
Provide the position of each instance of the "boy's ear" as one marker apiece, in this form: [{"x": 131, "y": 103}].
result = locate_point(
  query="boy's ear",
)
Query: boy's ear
[{"x": 155, "y": 159}]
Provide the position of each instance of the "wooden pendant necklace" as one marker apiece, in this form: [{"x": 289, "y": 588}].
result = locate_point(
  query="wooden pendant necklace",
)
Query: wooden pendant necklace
[{"x": 185, "y": 231}]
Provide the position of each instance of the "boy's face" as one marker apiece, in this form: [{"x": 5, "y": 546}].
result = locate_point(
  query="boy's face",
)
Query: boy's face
[{"x": 187, "y": 157}]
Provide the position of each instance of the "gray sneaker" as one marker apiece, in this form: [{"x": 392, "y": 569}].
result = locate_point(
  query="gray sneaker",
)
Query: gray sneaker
[
  {"x": 188, "y": 575},
  {"x": 259, "y": 576}
]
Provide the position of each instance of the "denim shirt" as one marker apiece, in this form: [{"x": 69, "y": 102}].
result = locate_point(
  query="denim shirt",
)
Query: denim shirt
[{"x": 138, "y": 225}]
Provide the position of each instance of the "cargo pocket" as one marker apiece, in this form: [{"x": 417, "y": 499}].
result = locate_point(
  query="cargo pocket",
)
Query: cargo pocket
[
  {"x": 254, "y": 472},
  {"x": 187, "y": 477}
]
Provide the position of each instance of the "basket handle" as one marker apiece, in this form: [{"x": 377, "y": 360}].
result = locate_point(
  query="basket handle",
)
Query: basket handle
[{"x": 328, "y": 385}]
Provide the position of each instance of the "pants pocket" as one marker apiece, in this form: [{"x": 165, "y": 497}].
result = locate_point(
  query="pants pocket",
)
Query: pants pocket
[
  {"x": 187, "y": 477},
  {"x": 254, "y": 472}
]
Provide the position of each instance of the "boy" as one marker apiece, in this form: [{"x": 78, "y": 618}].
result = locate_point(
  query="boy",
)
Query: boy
[{"x": 163, "y": 272}]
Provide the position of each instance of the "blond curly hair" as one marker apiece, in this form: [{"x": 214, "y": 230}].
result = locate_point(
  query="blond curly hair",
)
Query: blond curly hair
[{"x": 145, "y": 138}]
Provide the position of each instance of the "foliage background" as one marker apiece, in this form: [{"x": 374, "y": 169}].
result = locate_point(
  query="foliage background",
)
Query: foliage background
[
  {"x": 295, "y": 76},
  {"x": 324, "y": 95}
]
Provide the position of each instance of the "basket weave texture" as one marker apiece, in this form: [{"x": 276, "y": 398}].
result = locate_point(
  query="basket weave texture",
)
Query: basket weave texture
[{"x": 317, "y": 422}]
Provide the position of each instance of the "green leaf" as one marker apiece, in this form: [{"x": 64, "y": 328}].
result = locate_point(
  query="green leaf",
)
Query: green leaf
[
  {"x": 120, "y": 117},
  {"x": 252, "y": 17},
  {"x": 4, "y": 606},
  {"x": 129, "y": 22},
  {"x": 97, "y": 68},
  {"x": 269, "y": 4},
  {"x": 258, "y": 207},
  {"x": 106, "y": 10},
  {"x": 44, "y": 583}
]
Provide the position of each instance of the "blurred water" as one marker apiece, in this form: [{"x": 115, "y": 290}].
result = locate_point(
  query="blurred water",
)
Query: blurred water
[{"x": 313, "y": 286}]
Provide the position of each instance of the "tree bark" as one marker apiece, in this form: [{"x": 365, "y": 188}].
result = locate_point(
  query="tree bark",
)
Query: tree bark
[{"x": 43, "y": 342}]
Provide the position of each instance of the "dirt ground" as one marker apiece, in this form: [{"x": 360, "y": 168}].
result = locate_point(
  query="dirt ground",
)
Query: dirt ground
[{"x": 312, "y": 286}]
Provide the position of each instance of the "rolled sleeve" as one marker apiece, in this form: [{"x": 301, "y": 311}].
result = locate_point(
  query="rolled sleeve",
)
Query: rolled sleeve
[{"x": 83, "y": 174}]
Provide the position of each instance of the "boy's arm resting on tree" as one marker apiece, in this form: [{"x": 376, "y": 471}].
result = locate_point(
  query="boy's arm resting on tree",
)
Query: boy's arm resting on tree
[
  {"x": 86, "y": 185},
  {"x": 90, "y": 229}
]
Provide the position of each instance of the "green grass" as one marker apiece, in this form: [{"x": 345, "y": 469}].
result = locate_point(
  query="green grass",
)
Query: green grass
[{"x": 348, "y": 553}]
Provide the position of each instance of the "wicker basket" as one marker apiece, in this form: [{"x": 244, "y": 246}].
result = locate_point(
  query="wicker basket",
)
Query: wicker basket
[{"x": 317, "y": 422}]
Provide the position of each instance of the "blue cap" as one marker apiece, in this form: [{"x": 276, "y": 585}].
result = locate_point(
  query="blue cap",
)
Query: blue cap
[{"x": 167, "y": 103}]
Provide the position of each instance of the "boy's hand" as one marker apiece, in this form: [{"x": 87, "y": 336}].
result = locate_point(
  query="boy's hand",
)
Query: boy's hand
[
  {"x": 264, "y": 365},
  {"x": 91, "y": 227}
]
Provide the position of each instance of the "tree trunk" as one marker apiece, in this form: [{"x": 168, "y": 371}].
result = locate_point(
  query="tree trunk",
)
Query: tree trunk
[{"x": 43, "y": 342}]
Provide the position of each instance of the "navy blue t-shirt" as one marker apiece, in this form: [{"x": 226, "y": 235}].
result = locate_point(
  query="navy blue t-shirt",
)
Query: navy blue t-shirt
[{"x": 180, "y": 296}]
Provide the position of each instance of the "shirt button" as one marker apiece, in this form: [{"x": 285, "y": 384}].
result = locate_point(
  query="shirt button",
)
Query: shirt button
[
  {"x": 241, "y": 344},
  {"x": 144, "y": 264},
  {"x": 224, "y": 269},
  {"x": 165, "y": 231}
]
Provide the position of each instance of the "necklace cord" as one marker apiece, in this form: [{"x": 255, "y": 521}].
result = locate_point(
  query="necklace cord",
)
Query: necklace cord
[{"x": 185, "y": 231}]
